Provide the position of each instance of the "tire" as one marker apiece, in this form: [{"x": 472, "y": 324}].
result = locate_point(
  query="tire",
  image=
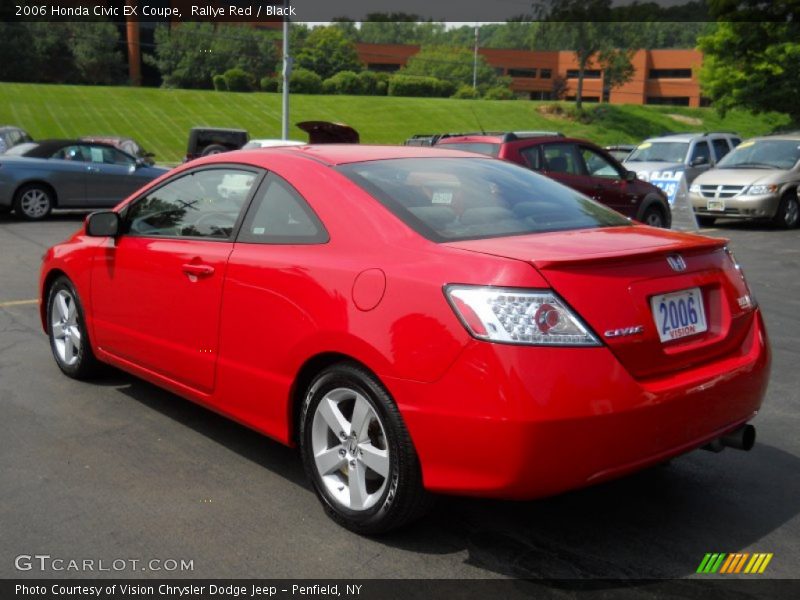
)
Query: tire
[
  {"x": 653, "y": 215},
  {"x": 705, "y": 221},
  {"x": 66, "y": 328},
  {"x": 386, "y": 491},
  {"x": 213, "y": 149},
  {"x": 34, "y": 202},
  {"x": 788, "y": 214}
]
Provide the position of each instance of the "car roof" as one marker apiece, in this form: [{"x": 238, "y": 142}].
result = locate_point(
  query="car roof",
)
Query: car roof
[
  {"x": 688, "y": 137},
  {"x": 45, "y": 148},
  {"x": 339, "y": 154}
]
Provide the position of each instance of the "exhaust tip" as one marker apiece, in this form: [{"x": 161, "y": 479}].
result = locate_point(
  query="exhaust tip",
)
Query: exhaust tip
[{"x": 743, "y": 438}]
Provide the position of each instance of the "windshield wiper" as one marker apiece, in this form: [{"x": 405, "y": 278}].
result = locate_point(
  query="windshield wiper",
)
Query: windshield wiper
[{"x": 750, "y": 165}]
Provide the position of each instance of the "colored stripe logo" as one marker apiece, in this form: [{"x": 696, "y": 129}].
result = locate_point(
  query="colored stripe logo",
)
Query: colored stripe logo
[{"x": 741, "y": 562}]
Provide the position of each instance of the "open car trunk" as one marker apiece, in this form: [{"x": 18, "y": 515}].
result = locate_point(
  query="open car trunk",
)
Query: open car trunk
[{"x": 325, "y": 132}]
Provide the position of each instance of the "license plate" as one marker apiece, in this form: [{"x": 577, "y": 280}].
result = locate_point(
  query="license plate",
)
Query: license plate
[
  {"x": 679, "y": 314},
  {"x": 717, "y": 205}
]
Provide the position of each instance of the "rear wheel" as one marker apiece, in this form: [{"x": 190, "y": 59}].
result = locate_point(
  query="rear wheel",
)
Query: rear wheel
[
  {"x": 654, "y": 217},
  {"x": 66, "y": 328},
  {"x": 358, "y": 454},
  {"x": 34, "y": 202},
  {"x": 788, "y": 214}
]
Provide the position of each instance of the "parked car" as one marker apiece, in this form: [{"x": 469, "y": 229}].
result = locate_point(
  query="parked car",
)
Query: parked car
[
  {"x": 416, "y": 320},
  {"x": 758, "y": 180},
  {"x": 205, "y": 141},
  {"x": 620, "y": 151},
  {"x": 576, "y": 163},
  {"x": 689, "y": 153},
  {"x": 126, "y": 144},
  {"x": 10, "y": 136},
  {"x": 41, "y": 176}
]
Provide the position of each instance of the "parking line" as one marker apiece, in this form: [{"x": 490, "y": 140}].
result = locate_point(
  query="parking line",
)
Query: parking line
[{"x": 18, "y": 303}]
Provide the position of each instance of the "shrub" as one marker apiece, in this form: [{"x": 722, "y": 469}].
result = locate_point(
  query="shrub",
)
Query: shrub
[
  {"x": 239, "y": 80},
  {"x": 499, "y": 93},
  {"x": 303, "y": 81},
  {"x": 270, "y": 84},
  {"x": 420, "y": 86},
  {"x": 344, "y": 82},
  {"x": 466, "y": 92},
  {"x": 219, "y": 83}
]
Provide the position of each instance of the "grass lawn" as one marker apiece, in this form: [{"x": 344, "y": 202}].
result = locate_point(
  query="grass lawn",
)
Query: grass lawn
[{"x": 160, "y": 119}]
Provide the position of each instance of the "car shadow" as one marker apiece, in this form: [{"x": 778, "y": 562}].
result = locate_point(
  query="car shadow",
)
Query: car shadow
[
  {"x": 57, "y": 216},
  {"x": 656, "y": 524}
]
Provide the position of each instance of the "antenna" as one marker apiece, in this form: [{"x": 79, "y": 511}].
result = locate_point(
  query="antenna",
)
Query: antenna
[{"x": 472, "y": 110}]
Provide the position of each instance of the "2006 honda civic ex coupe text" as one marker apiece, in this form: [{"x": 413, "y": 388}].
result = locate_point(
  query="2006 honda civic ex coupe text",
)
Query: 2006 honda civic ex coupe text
[{"x": 416, "y": 320}]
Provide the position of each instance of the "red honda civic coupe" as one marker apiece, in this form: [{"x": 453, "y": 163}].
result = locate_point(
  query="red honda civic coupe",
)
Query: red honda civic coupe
[{"x": 416, "y": 320}]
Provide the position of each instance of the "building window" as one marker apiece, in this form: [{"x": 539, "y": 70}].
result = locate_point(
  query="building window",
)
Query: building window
[
  {"x": 670, "y": 74},
  {"x": 584, "y": 98},
  {"x": 383, "y": 67},
  {"x": 546, "y": 73},
  {"x": 529, "y": 73},
  {"x": 587, "y": 74},
  {"x": 668, "y": 100},
  {"x": 541, "y": 95}
]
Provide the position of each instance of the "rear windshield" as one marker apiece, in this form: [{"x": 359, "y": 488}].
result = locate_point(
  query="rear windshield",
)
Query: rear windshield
[
  {"x": 671, "y": 152},
  {"x": 480, "y": 147},
  {"x": 451, "y": 199}
]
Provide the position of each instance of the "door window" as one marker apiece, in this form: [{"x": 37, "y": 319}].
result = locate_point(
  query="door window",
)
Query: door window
[
  {"x": 701, "y": 150},
  {"x": 598, "y": 165},
  {"x": 562, "y": 158},
  {"x": 202, "y": 204},
  {"x": 532, "y": 157},
  {"x": 108, "y": 156},
  {"x": 721, "y": 147},
  {"x": 279, "y": 215},
  {"x": 70, "y": 153}
]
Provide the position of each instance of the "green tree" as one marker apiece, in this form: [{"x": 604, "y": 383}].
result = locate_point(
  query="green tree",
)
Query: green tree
[
  {"x": 753, "y": 64},
  {"x": 326, "y": 51},
  {"x": 95, "y": 49},
  {"x": 616, "y": 66},
  {"x": 450, "y": 64}
]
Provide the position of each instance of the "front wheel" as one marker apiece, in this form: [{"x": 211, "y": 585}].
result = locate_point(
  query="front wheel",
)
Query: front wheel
[
  {"x": 788, "y": 213},
  {"x": 66, "y": 328},
  {"x": 34, "y": 202},
  {"x": 358, "y": 454}
]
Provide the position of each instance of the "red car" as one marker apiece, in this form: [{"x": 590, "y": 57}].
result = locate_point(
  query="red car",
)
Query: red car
[
  {"x": 576, "y": 163},
  {"x": 416, "y": 320}
]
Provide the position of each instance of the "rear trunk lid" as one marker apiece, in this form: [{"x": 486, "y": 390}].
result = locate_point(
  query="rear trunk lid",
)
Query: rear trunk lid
[{"x": 616, "y": 279}]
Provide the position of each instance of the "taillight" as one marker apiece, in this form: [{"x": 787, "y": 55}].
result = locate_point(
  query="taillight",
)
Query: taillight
[
  {"x": 750, "y": 300},
  {"x": 518, "y": 316}
]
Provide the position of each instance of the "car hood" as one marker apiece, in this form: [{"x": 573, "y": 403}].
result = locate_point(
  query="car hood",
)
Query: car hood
[
  {"x": 648, "y": 167},
  {"x": 745, "y": 176}
]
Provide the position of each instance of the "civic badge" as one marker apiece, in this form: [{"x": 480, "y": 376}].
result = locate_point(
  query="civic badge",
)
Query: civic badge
[{"x": 676, "y": 262}]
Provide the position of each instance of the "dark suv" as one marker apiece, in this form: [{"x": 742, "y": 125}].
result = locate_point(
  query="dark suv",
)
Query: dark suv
[
  {"x": 205, "y": 141},
  {"x": 576, "y": 163}
]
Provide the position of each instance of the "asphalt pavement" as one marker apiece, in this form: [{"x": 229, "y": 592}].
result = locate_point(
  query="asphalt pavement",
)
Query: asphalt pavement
[{"x": 118, "y": 469}]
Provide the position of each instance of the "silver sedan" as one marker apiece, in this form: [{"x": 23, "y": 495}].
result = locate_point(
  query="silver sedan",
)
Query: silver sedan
[{"x": 37, "y": 177}]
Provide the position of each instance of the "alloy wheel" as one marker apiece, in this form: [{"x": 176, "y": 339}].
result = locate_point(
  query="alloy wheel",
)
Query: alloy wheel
[
  {"x": 65, "y": 327},
  {"x": 350, "y": 450},
  {"x": 35, "y": 203}
]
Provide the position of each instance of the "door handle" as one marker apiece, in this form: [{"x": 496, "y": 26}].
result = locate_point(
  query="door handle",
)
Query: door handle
[
  {"x": 198, "y": 270},
  {"x": 93, "y": 169}
]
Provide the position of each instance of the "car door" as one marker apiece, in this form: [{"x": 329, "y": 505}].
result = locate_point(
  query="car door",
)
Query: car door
[
  {"x": 608, "y": 181},
  {"x": 111, "y": 175},
  {"x": 157, "y": 287},
  {"x": 699, "y": 160},
  {"x": 66, "y": 172},
  {"x": 562, "y": 161},
  {"x": 272, "y": 279}
]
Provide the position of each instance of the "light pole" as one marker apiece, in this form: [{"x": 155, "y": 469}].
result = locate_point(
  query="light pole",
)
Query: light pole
[{"x": 287, "y": 71}]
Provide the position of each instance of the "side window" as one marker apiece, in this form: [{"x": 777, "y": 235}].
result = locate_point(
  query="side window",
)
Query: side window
[
  {"x": 532, "y": 157},
  {"x": 735, "y": 141},
  {"x": 721, "y": 147},
  {"x": 279, "y": 215},
  {"x": 108, "y": 156},
  {"x": 598, "y": 165},
  {"x": 562, "y": 158},
  {"x": 70, "y": 153},
  {"x": 203, "y": 204},
  {"x": 701, "y": 150}
]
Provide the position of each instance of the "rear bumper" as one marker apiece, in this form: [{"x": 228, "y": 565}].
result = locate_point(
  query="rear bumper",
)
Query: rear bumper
[{"x": 517, "y": 422}]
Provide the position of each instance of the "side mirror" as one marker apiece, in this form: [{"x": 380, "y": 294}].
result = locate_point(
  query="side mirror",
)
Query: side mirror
[
  {"x": 103, "y": 223},
  {"x": 630, "y": 176},
  {"x": 700, "y": 160}
]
